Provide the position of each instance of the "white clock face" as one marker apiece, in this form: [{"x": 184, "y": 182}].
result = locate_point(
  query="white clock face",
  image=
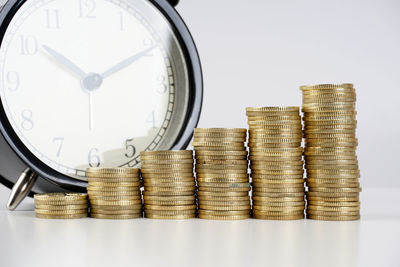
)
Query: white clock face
[{"x": 88, "y": 83}]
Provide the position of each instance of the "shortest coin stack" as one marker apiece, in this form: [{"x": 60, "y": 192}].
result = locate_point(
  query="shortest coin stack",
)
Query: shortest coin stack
[
  {"x": 169, "y": 184},
  {"x": 222, "y": 173},
  {"x": 61, "y": 205},
  {"x": 114, "y": 193}
]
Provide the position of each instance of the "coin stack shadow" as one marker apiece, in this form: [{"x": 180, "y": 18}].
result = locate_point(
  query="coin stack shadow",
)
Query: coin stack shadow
[
  {"x": 222, "y": 173},
  {"x": 330, "y": 152},
  {"x": 276, "y": 163},
  {"x": 61, "y": 205},
  {"x": 114, "y": 193},
  {"x": 169, "y": 184}
]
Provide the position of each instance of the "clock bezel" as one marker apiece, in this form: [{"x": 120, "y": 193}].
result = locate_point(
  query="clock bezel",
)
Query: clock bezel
[{"x": 191, "y": 118}]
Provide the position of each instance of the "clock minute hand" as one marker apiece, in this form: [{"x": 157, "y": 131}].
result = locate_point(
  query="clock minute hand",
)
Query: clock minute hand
[
  {"x": 125, "y": 63},
  {"x": 65, "y": 62}
]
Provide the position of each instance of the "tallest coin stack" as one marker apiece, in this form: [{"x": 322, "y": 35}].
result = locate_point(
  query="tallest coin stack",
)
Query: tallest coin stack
[{"x": 330, "y": 152}]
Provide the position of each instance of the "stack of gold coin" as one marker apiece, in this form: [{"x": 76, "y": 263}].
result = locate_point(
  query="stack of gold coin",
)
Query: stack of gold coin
[
  {"x": 61, "y": 205},
  {"x": 330, "y": 152},
  {"x": 169, "y": 184},
  {"x": 114, "y": 193},
  {"x": 222, "y": 176},
  {"x": 276, "y": 163}
]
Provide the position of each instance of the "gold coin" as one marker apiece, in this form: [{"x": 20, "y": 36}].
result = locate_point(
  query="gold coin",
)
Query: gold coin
[
  {"x": 224, "y": 203},
  {"x": 150, "y": 180},
  {"x": 168, "y": 161},
  {"x": 169, "y": 198},
  {"x": 115, "y": 185},
  {"x": 224, "y": 185},
  {"x": 168, "y": 153},
  {"x": 279, "y": 199},
  {"x": 221, "y": 162},
  {"x": 166, "y": 157},
  {"x": 279, "y": 181},
  {"x": 94, "y": 211},
  {"x": 220, "y": 135},
  {"x": 172, "y": 175},
  {"x": 224, "y": 218},
  {"x": 113, "y": 194},
  {"x": 60, "y": 197},
  {"x": 333, "y": 194},
  {"x": 273, "y": 145},
  {"x": 332, "y": 177},
  {"x": 283, "y": 150},
  {"x": 272, "y": 109},
  {"x": 322, "y": 87},
  {"x": 265, "y": 127},
  {"x": 279, "y": 218},
  {"x": 114, "y": 171},
  {"x": 318, "y": 118},
  {"x": 331, "y": 162},
  {"x": 169, "y": 212},
  {"x": 334, "y": 185},
  {"x": 332, "y": 181},
  {"x": 275, "y": 131},
  {"x": 168, "y": 193},
  {"x": 310, "y": 167},
  {"x": 220, "y": 130},
  {"x": 221, "y": 153},
  {"x": 117, "y": 216},
  {"x": 173, "y": 217},
  {"x": 105, "y": 208},
  {"x": 242, "y": 172},
  {"x": 207, "y": 198},
  {"x": 278, "y": 190},
  {"x": 274, "y": 117},
  {"x": 284, "y": 209},
  {"x": 331, "y": 157},
  {"x": 268, "y": 114},
  {"x": 333, "y": 213},
  {"x": 184, "y": 166},
  {"x": 221, "y": 158},
  {"x": 222, "y": 175},
  {"x": 277, "y": 176},
  {"x": 223, "y": 180},
  {"x": 217, "y": 144},
  {"x": 334, "y": 172},
  {"x": 280, "y": 195},
  {"x": 277, "y": 160},
  {"x": 222, "y": 194},
  {"x": 171, "y": 189},
  {"x": 170, "y": 203},
  {"x": 279, "y": 204},
  {"x": 114, "y": 203},
  {"x": 112, "y": 179},
  {"x": 114, "y": 198},
  {"x": 61, "y": 202},
  {"x": 170, "y": 208},
  {"x": 225, "y": 208},
  {"x": 278, "y": 213},
  {"x": 335, "y": 190},
  {"x": 224, "y": 212},
  {"x": 219, "y": 139},
  {"x": 333, "y": 218},
  {"x": 61, "y": 212},
  {"x": 63, "y": 207},
  {"x": 277, "y": 186},
  {"x": 225, "y": 189},
  {"x": 351, "y": 99},
  {"x": 167, "y": 172},
  {"x": 220, "y": 166},
  {"x": 333, "y": 209},
  {"x": 91, "y": 188},
  {"x": 170, "y": 184},
  {"x": 278, "y": 172},
  {"x": 220, "y": 148},
  {"x": 333, "y": 199},
  {"x": 67, "y": 216},
  {"x": 276, "y": 167},
  {"x": 335, "y": 204}
]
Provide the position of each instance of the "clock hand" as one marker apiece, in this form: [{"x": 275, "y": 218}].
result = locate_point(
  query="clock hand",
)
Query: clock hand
[
  {"x": 125, "y": 63},
  {"x": 65, "y": 62}
]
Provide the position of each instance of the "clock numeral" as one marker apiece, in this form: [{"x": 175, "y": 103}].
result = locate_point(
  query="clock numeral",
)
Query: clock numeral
[
  {"x": 87, "y": 9},
  {"x": 58, "y": 141},
  {"x": 121, "y": 21},
  {"x": 29, "y": 45},
  {"x": 130, "y": 149},
  {"x": 52, "y": 19},
  {"x": 94, "y": 158},
  {"x": 152, "y": 119},
  {"x": 162, "y": 86},
  {"x": 27, "y": 122},
  {"x": 12, "y": 78}
]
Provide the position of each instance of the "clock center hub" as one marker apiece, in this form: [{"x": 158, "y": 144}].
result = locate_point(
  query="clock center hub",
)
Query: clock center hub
[{"x": 92, "y": 81}]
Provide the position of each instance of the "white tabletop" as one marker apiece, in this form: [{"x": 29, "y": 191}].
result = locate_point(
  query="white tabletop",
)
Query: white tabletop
[{"x": 373, "y": 241}]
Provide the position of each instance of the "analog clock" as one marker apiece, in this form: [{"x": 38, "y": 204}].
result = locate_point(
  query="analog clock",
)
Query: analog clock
[{"x": 92, "y": 83}]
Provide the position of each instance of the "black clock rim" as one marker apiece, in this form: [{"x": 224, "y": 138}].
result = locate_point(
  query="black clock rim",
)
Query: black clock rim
[{"x": 192, "y": 116}]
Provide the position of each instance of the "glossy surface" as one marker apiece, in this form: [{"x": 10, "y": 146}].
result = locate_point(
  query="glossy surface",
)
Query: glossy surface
[{"x": 373, "y": 241}]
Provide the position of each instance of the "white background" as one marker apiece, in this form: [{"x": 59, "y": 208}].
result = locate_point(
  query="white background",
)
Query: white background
[{"x": 258, "y": 53}]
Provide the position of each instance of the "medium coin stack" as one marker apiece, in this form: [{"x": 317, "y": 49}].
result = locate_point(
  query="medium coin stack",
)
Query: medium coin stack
[
  {"x": 330, "y": 152},
  {"x": 169, "y": 184},
  {"x": 276, "y": 163},
  {"x": 222, "y": 176},
  {"x": 61, "y": 205},
  {"x": 114, "y": 193}
]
